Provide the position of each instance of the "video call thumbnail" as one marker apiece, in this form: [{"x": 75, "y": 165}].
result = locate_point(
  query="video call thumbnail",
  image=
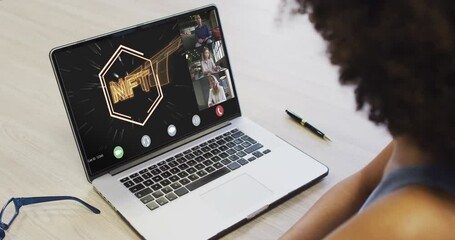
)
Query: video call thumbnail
[{"x": 207, "y": 62}]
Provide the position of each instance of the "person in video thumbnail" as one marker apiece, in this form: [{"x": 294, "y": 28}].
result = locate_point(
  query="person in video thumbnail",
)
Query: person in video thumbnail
[
  {"x": 202, "y": 33},
  {"x": 216, "y": 94},
  {"x": 208, "y": 65}
]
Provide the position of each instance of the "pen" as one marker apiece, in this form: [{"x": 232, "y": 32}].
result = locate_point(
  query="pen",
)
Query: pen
[{"x": 308, "y": 126}]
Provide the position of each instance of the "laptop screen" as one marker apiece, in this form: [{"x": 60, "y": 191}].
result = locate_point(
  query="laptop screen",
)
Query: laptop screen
[{"x": 140, "y": 89}]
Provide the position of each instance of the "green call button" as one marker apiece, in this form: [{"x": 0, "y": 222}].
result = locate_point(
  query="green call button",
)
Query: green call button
[{"x": 118, "y": 152}]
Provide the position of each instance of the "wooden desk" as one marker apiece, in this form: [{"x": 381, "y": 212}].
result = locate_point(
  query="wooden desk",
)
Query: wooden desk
[{"x": 275, "y": 67}]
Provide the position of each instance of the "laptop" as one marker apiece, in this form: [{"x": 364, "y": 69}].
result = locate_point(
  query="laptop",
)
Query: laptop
[{"x": 156, "y": 118}]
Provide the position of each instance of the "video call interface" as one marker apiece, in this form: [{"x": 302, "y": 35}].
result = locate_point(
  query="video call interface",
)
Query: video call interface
[{"x": 132, "y": 92}]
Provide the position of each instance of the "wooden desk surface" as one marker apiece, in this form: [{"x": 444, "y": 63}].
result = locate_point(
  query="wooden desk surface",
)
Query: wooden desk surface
[{"x": 276, "y": 66}]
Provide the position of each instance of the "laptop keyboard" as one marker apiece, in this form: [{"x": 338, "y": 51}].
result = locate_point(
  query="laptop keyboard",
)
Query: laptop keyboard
[{"x": 174, "y": 177}]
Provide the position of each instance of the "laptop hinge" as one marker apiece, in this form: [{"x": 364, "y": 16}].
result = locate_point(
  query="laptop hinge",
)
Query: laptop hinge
[{"x": 167, "y": 149}]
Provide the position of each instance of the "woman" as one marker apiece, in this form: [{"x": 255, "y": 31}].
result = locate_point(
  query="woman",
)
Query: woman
[
  {"x": 208, "y": 66},
  {"x": 216, "y": 93},
  {"x": 400, "y": 55}
]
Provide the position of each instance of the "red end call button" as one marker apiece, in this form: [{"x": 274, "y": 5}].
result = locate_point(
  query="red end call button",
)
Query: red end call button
[{"x": 219, "y": 110}]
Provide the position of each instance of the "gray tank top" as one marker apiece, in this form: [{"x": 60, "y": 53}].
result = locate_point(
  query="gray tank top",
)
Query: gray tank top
[{"x": 436, "y": 177}]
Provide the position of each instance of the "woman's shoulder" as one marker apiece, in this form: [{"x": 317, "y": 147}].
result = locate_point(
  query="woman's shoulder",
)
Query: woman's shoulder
[{"x": 413, "y": 212}]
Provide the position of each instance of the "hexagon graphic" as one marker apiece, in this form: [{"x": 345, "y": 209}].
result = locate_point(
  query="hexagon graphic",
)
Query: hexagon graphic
[{"x": 131, "y": 89}]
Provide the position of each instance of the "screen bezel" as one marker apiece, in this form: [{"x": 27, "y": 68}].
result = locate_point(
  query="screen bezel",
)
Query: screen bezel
[{"x": 54, "y": 52}]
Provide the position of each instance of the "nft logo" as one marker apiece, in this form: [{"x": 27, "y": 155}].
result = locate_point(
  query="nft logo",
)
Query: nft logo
[
  {"x": 134, "y": 96},
  {"x": 122, "y": 89}
]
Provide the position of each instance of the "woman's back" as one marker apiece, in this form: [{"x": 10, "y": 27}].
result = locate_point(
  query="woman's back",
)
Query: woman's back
[
  {"x": 437, "y": 178},
  {"x": 412, "y": 212}
]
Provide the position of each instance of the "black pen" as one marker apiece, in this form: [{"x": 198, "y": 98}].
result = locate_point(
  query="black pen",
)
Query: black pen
[{"x": 308, "y": 126}]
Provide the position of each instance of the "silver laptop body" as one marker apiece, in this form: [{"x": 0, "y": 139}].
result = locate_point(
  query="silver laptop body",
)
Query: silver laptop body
[{"x": 191, "y": 168}]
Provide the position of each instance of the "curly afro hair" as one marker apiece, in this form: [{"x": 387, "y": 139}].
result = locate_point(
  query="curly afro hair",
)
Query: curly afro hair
[{"x": 400, "y": 55}]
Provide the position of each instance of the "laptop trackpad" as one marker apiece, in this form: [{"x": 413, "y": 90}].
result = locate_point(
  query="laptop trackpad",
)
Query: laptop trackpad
[{"x": 237, "y": 195}]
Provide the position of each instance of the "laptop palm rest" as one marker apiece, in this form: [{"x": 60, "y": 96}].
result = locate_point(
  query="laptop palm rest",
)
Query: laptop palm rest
[{"x": 243, "y": 192}]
